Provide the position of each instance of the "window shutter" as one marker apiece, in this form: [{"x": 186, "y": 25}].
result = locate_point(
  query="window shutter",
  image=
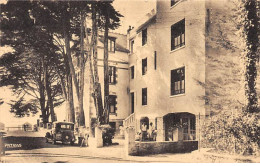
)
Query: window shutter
[
  {"x": 115, "y": 75},
  {"x": 115, "y": 99}
]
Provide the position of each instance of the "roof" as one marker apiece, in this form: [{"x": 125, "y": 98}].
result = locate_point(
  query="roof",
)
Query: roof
[
  {"x": 118, "y": 47},
  {"x": 147, "y": 22}
]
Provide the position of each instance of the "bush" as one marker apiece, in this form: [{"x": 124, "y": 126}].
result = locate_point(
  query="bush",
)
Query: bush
[{"x": 233, "y": 133}]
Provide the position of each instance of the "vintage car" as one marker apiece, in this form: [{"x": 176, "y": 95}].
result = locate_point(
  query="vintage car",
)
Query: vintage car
[{"x": 61, "y": 131}]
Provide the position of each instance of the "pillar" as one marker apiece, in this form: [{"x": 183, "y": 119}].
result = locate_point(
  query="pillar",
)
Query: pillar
[
  {"x": 200, "y": 119},
  {"x": 129, "y": 141},
  {"x": 97, "y": 141},
  {"x": 160, "y": 129}
]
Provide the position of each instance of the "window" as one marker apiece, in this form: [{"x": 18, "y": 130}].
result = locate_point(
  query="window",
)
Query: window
[
  {"x": 132, "y": 42},
  {"x": 185, "y": 126},
  {"x": 112, "y": 74},
  {"x": 178, "y": 34},
  {"x": 144, "y": 66},
  {"x": 155, "y": 60},
  {"x": 132, "y": 102},
  {"x": 66, "y": 126},
  {"x": 173, "y": 2},
  {"x": 189, "y": 130},
  {"x": 112, "y": 104},
  {"x": 144, "y": 36},
  {"x": 178, "y": 81},
  {"x": 132, "y": 72},
  {"x": 192, "y": 128},
  {"x": 144, "y": 96},
  {"x": 111, "y": 45}
]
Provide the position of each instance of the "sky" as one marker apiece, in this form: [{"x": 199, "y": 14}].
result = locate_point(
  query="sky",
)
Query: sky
[{"x": 132, "y": 10}]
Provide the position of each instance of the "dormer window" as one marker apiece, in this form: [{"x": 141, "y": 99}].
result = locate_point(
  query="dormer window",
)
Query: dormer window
[{"x": 111, "y": 44}]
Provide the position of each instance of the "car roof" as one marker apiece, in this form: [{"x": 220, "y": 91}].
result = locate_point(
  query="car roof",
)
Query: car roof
[{"x": 63, "y": 123}]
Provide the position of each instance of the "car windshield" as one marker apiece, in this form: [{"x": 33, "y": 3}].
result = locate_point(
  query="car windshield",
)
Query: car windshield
[{"x": 66, "y": 126}]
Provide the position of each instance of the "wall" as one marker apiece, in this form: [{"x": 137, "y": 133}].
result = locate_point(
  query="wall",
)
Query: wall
[
  {"x": 149, "y": 79},
  {"x": 192, "y": 56},
  {"x": 145, "y": 148},
  {"x": 224, "y": 63}
]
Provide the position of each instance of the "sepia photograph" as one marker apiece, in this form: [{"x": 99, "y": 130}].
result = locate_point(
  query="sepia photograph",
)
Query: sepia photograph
[{"x": 129, "y": 81}]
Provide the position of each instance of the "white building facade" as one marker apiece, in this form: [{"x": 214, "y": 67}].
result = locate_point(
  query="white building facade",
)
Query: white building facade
[{"x": 167, "y": 62}]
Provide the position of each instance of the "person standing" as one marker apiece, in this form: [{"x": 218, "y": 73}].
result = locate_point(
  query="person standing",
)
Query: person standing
[
  {"x": 151, "y": 132},
  {"x": 144, "y": 131}
]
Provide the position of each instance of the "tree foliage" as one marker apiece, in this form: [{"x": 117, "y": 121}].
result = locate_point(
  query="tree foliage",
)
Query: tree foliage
[
  {"x": 54, "y": 31},
  {"x": 25, "y": 69},
  {"x": 232, "y": 96},
  {"x": 21, "y": 108}
]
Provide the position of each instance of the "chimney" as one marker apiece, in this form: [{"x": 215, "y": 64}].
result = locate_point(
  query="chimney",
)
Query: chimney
[{"x": 129, "y": 29}]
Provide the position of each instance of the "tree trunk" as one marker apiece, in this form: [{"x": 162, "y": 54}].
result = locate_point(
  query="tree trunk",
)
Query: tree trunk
[
  {"x": 82, "y": 71},
  {"x": 106, "y": 70},
  {"x": 252, "y": 41},
  {"x": 97, "y": 86},
  {"x": 69, "y": 71},
  {"x": 42, "y": 99},
  {"x": 71, "y": 111},
  {"x": 48, "y": 89}
]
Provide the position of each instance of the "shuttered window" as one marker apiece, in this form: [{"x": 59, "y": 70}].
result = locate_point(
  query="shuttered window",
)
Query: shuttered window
[{"x": 112, "y": 75}]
